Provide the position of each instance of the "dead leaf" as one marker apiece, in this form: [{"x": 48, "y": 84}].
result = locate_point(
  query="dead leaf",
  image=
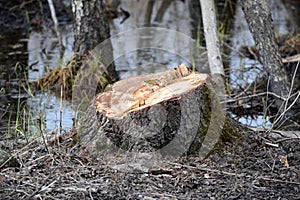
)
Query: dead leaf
[{"x": 283, "y": 160}]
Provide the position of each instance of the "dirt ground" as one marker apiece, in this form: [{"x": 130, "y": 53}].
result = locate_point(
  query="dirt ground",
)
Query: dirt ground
[{"x": 252, "y": 167}]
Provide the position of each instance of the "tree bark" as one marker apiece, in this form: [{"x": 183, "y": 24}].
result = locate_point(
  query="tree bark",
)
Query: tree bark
[
  {"x": 213, "y": 45},
  {"x": 172, "y": 113},
  {"x": 259, "y": 19},
  {"x": 91, "y": 25},
  {"x": 92, "y": 28}
]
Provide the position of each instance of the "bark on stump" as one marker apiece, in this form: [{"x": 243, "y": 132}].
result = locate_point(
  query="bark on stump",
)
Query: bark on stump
[{"x": 172, "y": 113}]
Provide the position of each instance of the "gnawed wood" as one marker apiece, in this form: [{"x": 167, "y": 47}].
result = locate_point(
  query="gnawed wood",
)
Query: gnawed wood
[
  {"x": 169, "y": 112},
  {"x": 143, "y": 91}
]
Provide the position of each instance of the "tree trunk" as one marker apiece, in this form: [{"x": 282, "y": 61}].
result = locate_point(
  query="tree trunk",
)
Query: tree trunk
[
  {"x": 213, "y": 45},
  {"x": 92, "y": 28},
  {"x": 170, "y": 113},
  {"x": 91, "y": 25},
  {"x": 259, "y": 19}
]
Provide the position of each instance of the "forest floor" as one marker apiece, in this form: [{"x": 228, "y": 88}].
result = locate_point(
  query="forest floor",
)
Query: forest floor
[{"x": 252, "y": 167}]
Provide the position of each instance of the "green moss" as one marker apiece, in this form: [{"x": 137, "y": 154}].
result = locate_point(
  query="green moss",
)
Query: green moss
[
  {"x": 204, "y": 120},
  {"x": 229, "y": 133},
  {"x": 214, "y": 128}
]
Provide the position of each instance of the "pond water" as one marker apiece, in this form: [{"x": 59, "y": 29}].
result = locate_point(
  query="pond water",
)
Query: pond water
[{"x": 27, "y": 55}]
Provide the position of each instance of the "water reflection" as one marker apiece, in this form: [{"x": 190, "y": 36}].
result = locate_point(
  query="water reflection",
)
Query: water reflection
[
  {"x": 153, "y": 46},
  {"x": 35, "y": 53},
  {"x": 43, "y": 55},
  {"x": 13, "y": 60},
  {"x": 175, "y": 17},
  {"x": 43, "y": 50},
  {"x": 48, "y": 105},
  {"x": 241, "y": 37}
]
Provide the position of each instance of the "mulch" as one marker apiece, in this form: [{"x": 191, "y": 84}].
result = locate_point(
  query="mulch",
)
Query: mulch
[{"x": 252, "y": 167}]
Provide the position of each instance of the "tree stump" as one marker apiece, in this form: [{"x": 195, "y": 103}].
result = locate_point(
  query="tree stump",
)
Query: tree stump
[{"x": 170, "y": 113}]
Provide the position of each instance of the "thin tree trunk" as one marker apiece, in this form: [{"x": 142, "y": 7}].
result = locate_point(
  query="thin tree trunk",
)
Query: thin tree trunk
[
  {"x": 213, "y": 44},
  {"x": 214, "y": 60},
  {"x": 55, "y": 21},
  {"x": 259, "y": 19}
]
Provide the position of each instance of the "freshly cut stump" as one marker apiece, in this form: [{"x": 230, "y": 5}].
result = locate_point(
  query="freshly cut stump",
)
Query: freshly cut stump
[{"x": 172, "y": 113}]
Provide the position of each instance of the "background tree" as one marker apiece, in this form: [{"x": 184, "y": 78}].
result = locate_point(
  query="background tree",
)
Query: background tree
[
  {"x": 259, "y": 19},
  {"x": 91, "y": 28}
]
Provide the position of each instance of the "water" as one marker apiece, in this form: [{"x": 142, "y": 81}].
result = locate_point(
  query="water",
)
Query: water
[
  {"x": 27, "y": 55},
  {"x": 40, "y": 52}
]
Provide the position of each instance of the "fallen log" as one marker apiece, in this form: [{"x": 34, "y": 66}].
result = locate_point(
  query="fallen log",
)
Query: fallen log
[{"x": 171, "y": 113}]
